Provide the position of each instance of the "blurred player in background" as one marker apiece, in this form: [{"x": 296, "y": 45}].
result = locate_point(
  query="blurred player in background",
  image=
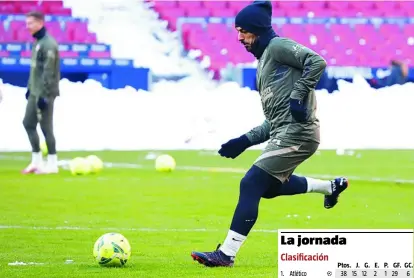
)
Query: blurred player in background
[
  {"x": 287, "y": 74},
  {"x": 43, "y": 88},
  {"x": 398, "y": 74}
]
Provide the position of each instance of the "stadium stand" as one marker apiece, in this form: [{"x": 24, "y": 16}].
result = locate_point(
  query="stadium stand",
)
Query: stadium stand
[
  {"x": 64, "y": 28},
  {"x": 366, "y": 39}
]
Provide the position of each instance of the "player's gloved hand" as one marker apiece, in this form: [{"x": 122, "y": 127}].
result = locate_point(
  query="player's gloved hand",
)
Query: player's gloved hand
[
  {"x": 42, "y": 103},
  {"x": 235, "y": 147},
  {"x": 27, "y": 94},
  {"x": 298, "y": 110}
]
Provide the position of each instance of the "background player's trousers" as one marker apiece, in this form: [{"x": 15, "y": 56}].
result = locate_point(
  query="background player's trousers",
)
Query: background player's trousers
[
  {"x": 281, "y": 157},
  {"x": 34, "y": 116}
]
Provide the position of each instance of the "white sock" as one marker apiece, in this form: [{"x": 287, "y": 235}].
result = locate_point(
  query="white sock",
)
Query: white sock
[
  {"x": 319, "y": 186},
  {"x": 37, "y": 159},
  {"x": 52, "y": 160},
  {"x": 232, "y": 243}
]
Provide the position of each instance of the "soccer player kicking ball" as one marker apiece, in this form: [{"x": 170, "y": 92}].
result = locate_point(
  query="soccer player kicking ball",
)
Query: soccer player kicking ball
[
  {"x": 287, "y": 74},
  {"x": 43, "y": 88}
]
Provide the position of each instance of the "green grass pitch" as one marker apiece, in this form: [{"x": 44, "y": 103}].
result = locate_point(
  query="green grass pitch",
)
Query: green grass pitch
[{"x": 52, "y": 219}]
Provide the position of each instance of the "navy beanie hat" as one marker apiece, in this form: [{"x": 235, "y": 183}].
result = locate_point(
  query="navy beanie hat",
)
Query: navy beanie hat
[{"x": 255, "y": 18}]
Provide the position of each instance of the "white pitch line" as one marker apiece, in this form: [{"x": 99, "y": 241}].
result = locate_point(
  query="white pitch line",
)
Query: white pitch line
[
  {"x": 151, "y": 230},
  {"x": 225, "y": 170},
  {"x": 242, "y": 171}
]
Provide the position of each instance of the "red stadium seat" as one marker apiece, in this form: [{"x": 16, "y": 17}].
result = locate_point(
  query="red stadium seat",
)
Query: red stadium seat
[
  {"x": 68, "y": 54},
  {"x": 4, "y": 53},
  {"x": 99, "y": 54},
  {"x": 68, "y": 31}
]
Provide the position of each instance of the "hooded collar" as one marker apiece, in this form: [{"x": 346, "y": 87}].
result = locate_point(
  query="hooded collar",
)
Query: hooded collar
[
  {"x": 262, "y": 41},
  {"x": 40, "y": 34}
]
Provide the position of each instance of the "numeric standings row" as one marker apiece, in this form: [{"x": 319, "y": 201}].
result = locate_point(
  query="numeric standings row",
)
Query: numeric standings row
[{"x": 375, "y": 273}]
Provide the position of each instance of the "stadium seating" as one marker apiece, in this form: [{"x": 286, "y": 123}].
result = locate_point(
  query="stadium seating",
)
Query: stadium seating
[
  {"x": 341, "y": 44},
  {"x": 65, "y": 29},
  {"x": 22, "y": 7}
]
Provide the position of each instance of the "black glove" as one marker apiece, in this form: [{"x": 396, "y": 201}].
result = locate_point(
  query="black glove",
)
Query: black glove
[
  {"x": 298, "y": 110},
  {"x": 235, "y": 147},
  {"x": 42, "y": 103},
  {"x": 27, "y": 94}
]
